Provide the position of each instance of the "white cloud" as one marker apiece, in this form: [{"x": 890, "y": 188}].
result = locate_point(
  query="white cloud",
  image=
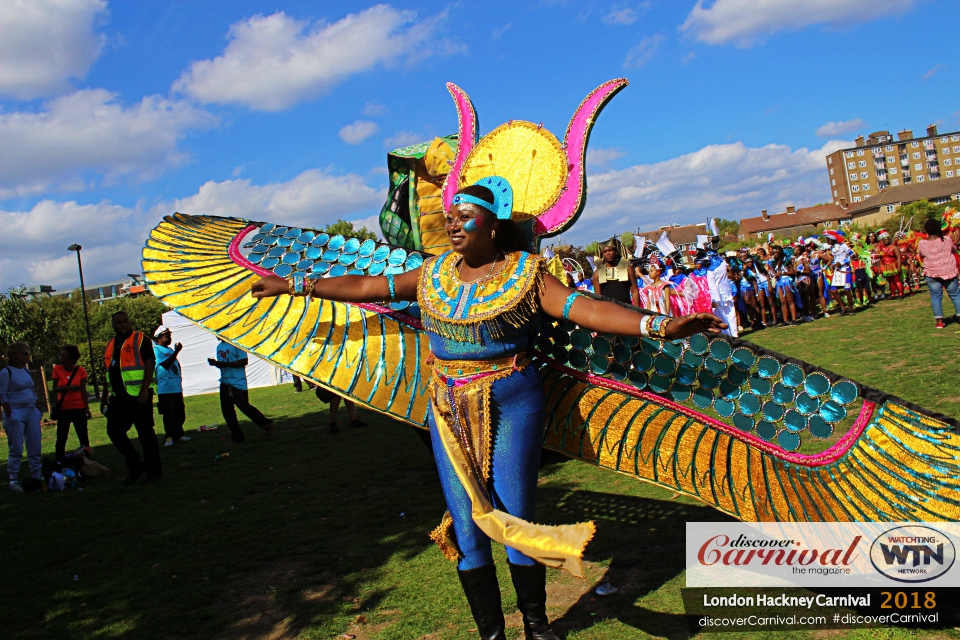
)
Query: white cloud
[
  {"x": 688, "y": 58},
  {"x": 404, "y": 139},
  {"x": 87, "y": 131},
  {"x": 33, "y": 244},
  {"x": 626, "y": 14},
  {"x": 358, "y": 131},
  {"x": 745, "y": 22},
  {"x": 496, "y": 34},
  {"x": 601, "y": 157},
  {"x": 375, "y": 110},
  {"x": 643, "y": 52},
  {"x": 44, "y": 43},
  {"x": 731, "y": 181},
  {"x": 313, "y": 198},
  {"x": 834, "y": 129},
  {"x": 275, "y": 61}
]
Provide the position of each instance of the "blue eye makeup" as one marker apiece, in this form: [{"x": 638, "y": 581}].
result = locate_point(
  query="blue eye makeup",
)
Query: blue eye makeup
[{"x": 470, "y": 226}]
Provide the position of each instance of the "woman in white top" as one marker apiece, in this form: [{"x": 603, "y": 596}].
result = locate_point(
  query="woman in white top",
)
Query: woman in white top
[{"x": 21, "y": 418}]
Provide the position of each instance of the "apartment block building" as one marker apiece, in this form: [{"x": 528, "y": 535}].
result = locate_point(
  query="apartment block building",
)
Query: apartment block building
[{"x": 878, "y": 162}]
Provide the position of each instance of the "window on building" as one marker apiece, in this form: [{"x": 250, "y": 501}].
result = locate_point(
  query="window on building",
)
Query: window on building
[
  {"x": 888, "y": 148},
  {"x": 891, "y": 208},
  {"x": 866, "y": 187},
  {"x": 891, "y": 160},
  {"x": 831, "y": 171},
  {"x": 863, "y": 175},
  {"x": 829, "y": 160},
  {"x": 856, "y": 199},
  {"x": 833, "y": 182},
  {"x": 893, "y": 171},
  {"x": 914, "y": 144},
  {"x": 848, "y": 154},
  {"x": 956, "y": 149},
  {"x": 943, "y": 140},
  {"x": 954, "y": 138},
  {"x": 862, "y": 163},
  {"x": 855, "y": 188},
  {"x": 99, "y": 292},
  {"x": 947, "y": 161},
  {"x": 860, "y": 152},
  {"x": 918, "y": 167},
  {"x": 919, "y": 178},
  {"x": 834, "y": 193},
  {"x": 853, "y": 176},
  {"x": 894, "y": 182},
  {"x": 949, "y": 174},
  {"x": 916, "y": 154}
]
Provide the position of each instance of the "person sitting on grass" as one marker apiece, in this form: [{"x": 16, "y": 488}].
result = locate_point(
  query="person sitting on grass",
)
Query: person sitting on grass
[
  {"x": 940, "y": 269},
  {"x": 232, "y": 363}
]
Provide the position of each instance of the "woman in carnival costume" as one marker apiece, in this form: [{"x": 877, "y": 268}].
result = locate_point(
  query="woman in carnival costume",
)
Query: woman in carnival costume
[
  {"x": 783, "y": 269},
  {"x": 890, "y": 265},
  {"x": 480, "y": 305}
]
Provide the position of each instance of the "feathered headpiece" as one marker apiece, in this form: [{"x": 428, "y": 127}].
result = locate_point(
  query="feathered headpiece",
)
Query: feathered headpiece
[{"x": 882, "y": 234}]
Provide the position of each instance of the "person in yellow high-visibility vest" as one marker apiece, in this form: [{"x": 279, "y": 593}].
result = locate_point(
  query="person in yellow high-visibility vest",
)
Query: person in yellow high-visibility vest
[{"x": 128, "y": 399}]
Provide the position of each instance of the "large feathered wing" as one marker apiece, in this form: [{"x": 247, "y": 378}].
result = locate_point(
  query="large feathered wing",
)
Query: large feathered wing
[{"x": 719, "y": 420}]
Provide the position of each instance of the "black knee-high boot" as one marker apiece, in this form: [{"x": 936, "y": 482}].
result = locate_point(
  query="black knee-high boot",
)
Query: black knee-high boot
[
  {"x": 530, "y": 583},
  {"x": 483, "y": 593}
]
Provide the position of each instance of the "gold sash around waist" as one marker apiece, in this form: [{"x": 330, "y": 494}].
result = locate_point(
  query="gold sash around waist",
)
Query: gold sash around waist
[{"x": 460, "y": 398}]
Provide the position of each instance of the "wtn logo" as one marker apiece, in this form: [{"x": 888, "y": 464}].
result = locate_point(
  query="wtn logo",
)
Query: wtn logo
[
  {"x": 912, "y": 553},
  {"x": 900, "y": 553}
]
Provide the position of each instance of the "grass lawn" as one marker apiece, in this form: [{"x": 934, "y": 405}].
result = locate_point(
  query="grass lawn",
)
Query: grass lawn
[{"x": 313, "y": 535}]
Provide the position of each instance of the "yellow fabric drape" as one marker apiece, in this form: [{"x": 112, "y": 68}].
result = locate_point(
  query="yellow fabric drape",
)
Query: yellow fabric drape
[{"x": 558, "y": 546}]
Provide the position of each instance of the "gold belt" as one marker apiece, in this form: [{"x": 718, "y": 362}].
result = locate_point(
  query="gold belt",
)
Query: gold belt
[{"x": 470, "y": 368}]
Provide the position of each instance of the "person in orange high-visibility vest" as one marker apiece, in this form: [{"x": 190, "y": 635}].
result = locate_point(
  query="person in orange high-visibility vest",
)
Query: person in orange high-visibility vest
[{"x": 128, "y": 399}]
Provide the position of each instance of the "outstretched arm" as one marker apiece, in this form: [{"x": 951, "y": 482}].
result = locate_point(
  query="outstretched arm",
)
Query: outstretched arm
[
  {"x": 607, "y": 317},
  {"x": 346, "y": 288}
]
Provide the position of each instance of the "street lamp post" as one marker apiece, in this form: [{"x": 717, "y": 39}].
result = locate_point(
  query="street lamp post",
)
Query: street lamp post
[{"x": 86, "y": 317}]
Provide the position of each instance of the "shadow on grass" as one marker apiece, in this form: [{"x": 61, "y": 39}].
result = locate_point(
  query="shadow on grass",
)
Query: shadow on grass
[{"x": 644, "y": 541}]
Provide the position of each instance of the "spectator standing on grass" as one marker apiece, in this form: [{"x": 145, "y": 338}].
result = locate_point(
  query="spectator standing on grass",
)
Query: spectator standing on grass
[
  {"x": 169, "y": 386},
  {"x": 940, "y": 269},
  {"x": 127, "y": 399},
  {"x": 232, "y": 363},
  {"x": 70, "y": 393},
  {"x": 21, "y": 417}
]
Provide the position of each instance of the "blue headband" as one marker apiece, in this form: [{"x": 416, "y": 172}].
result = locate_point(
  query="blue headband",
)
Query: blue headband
[{"x": 502, "y": 205}]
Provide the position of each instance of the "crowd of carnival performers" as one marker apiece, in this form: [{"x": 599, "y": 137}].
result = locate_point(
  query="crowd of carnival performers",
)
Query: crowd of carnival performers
[{"x": 778, "y": 284}]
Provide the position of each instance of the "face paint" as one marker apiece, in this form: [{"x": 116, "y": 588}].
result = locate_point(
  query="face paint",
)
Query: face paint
[{"x": 471, "y": 226}]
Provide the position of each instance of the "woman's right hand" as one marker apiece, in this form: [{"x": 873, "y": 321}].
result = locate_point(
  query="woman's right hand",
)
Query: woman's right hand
[{"x": 268, "y": 287}]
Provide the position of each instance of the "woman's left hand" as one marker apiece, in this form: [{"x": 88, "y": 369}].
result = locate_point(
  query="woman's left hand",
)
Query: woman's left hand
[{"x": 686, "y": 326}]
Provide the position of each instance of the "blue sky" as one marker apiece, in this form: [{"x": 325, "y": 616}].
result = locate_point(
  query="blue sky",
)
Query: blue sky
[{"x": 114, "y": 114}]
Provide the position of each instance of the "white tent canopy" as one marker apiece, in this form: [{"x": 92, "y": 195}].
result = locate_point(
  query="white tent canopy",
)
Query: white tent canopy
[{"x": 198, "y": 345}]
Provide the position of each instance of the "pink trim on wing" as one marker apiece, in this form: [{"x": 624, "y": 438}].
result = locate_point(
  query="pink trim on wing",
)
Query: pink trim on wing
[
  {"x": 578, "y": 131},
  {"x": 234, "y": 252},
  {"x": 467, "y": 133},
  {"x": 826, "y": 457}
]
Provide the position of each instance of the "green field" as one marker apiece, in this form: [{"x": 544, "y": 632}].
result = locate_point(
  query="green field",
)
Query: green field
[{"x": 313, "y": 535}]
